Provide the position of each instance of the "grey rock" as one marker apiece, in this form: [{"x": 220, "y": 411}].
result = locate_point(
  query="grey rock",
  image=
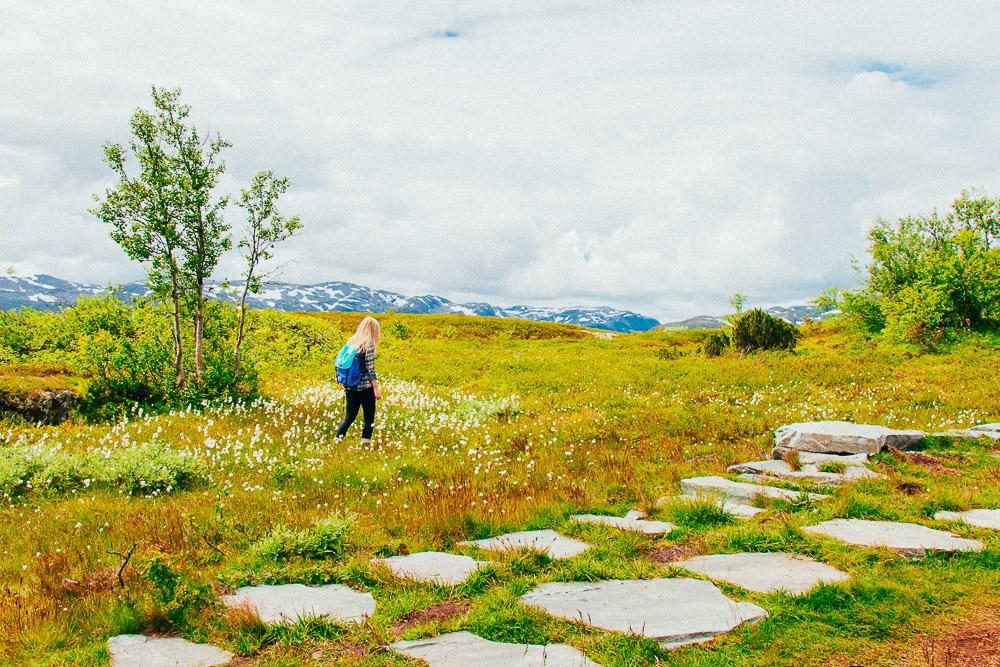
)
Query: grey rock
[
  {"x": 981, "y": 518},
  {"x": 765, "y": 572},
  {"x": 846, "y": 459},
  {"x": 738, "y": 510},
  {"x": 988, "y": 430},
  {"x": 760, "y": 471},
  {"x": 461, "y": 649},
  {"x": 839, "y": 437},
  {"x": 673, "y": 612},
  {"x": 909, "y": 539},
  {"x": 287, "y": 603},
  {"x": 432, "y": 566},
  {"x": 740, "y": 492},
  {"x": 142, "y": 651},
  {"x": 547, "y": 541},
  {"x": 627, "y": 523}
]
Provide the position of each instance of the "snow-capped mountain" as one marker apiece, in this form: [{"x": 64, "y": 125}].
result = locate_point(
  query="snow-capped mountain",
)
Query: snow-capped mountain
[
  {"x": 48, "y": 293},
  {"x": 796, "y": 315}
]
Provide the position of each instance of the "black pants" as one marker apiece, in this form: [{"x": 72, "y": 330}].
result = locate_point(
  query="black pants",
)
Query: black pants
[{"x": 363, "y": 399}]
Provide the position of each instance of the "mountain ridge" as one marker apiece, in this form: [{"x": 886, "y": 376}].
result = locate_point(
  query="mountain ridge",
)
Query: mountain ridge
[{"x": 45, "y": 292}]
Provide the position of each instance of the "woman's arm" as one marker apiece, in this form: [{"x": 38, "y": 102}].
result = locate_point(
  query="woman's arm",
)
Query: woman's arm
[{"x": 370, "y": 370}]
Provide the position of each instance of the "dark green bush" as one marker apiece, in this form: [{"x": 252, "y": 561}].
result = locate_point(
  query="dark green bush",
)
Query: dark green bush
[
  {"x": 756, "y": 330},
  {"x": 717, "y": 343}
]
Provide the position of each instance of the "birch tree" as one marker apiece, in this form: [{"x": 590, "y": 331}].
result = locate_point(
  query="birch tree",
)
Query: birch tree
[{"x": 265, "y": 229}]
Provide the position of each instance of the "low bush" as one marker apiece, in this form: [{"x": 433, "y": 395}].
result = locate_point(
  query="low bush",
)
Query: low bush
[
  {"x": 756, "y": 330},
  {"x": 177, "y": 597},
  {"x": 143, "y": 469},
  {"x": 148, "y": 468},
  {"x": 327, "y": 539},
  {"x": 397, "y": 329},
  {"x": 717, "y": 343}
]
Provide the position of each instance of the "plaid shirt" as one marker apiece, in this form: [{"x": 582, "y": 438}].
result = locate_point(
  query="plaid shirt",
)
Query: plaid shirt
[{"x": 367, "y": 369}]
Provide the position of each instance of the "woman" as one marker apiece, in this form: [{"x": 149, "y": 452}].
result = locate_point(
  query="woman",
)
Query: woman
[{"x": 364, "y": 395}]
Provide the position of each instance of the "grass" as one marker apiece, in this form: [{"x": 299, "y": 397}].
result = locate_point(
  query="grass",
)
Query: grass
[{"x": 486, "y": 426}]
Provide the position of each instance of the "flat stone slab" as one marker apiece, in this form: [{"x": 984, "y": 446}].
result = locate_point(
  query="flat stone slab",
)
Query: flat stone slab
[
  {"x": 142, "y": 651},
  {"x": 978, "y": 518},
  {"x": 759, "y": 471},
  {"x": 988, "y": 430},
  {"x": 765, "y": 572},
  {"x": 738, "y": 510},
  {"x": 434, "y": 567},
  {"x": 838, "y": 437},
  {"x": 673, "y": 612},
  {"x": 909, "y": 539},
  {"x": 740, "y": 492},
  {"x": 627, "y": 523},
  {"x": 461, "y": 649},
  {"x": 846, "y": 459},
  {"x": 288, "y": 603},
  {"x": 549, "y": 542}
]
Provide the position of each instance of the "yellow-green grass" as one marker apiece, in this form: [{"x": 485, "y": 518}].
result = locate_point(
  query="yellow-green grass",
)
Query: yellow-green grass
[{"x": 490, "y": 425}]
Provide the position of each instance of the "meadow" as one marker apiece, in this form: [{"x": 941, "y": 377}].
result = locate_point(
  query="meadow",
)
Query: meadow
[{"x": 140, "y": 523}]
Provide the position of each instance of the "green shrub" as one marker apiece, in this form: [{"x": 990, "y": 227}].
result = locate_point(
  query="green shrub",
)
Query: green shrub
[
  {"x": 327, "y": 539},
  {"x": 931, "y": 276},
  {"x": 717, "y": 343},
  {"x": 127, "y": 352},
  {"x": 757, "y": 330},
  {"x": 176, "y": 595},
  {"x": 60, "y": 473},
  {"x": 16, "y": 472},
  {"x": 144, "y": 469},
  {"x": 397, "y": 329}
]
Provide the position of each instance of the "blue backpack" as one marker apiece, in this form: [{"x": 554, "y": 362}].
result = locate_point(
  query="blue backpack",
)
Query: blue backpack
[{"x": 348, "y": 365}]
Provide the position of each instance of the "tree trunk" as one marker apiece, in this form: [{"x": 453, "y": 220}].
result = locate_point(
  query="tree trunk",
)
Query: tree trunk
[
  {"x": 178, "y": 341},
  {"x": 199, "y": 329},
  {"x": 237, "y": 359}
]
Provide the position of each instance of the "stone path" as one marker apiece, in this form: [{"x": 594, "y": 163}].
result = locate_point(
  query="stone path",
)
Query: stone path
[
  {"x": 461, "y": 649},
  {"x": 674, "y": 612},
  {"x": 631, "y": 521},
  {"x": 547, "y": 541},
  {"x": 290, "y": 602},
  {"x": 981, "y": 518},
  {"x": 909, "y": 539},
  {"x": 434, "y": 567},
  {"x": 765, "y": 572},
  {"x": 740, "y": 492},
  {"x": 142, "y": 651}
]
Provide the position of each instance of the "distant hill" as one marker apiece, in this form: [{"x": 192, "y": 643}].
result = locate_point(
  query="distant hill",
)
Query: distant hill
[
  {"x": 795, "y": 314},
  {"x": 45, "y": 292}
]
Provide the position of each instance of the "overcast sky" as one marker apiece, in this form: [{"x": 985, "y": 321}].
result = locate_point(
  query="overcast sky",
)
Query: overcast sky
[{"x": 656, "y": 156}]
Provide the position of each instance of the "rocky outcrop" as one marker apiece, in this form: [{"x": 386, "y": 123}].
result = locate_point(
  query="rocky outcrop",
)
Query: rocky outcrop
[
  {"x": 839, "y": 437},
  {"x": 49, "y": 406}
]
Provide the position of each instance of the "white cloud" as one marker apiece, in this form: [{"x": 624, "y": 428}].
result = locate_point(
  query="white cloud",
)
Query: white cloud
[{"x": 657, "y": 156}]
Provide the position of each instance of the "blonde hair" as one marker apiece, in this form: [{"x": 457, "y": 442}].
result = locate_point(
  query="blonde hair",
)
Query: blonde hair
[{"x": 367, "y": 335}]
